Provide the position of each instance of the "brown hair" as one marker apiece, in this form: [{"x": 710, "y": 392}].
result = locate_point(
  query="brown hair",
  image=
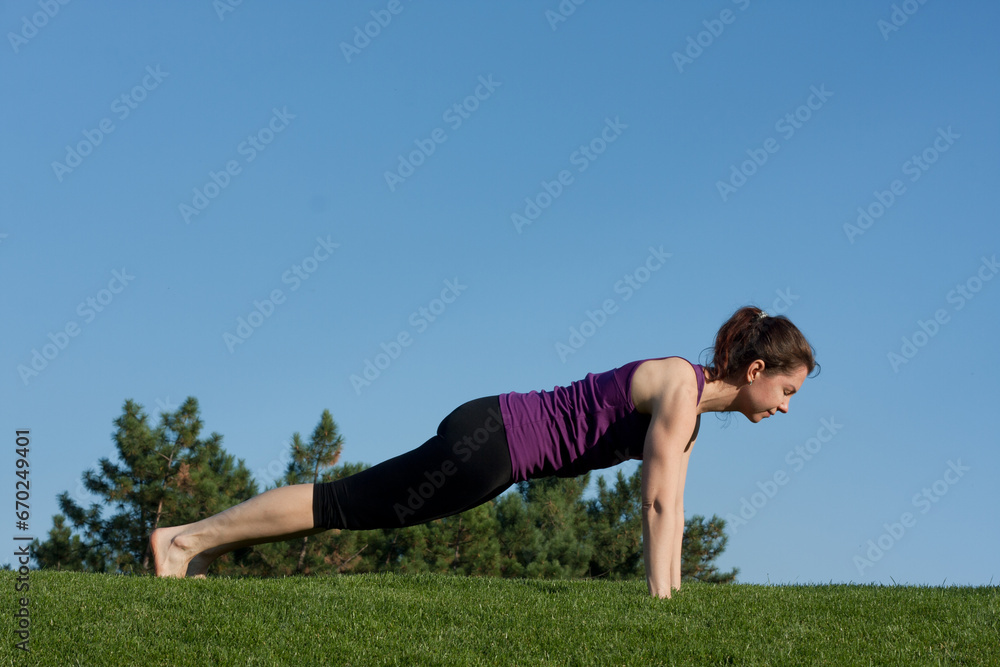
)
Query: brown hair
[{"x": 751, "y": 334}]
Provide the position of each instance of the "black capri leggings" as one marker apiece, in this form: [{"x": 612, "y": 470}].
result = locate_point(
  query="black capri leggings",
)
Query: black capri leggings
[{"x": 466, "y": 464}]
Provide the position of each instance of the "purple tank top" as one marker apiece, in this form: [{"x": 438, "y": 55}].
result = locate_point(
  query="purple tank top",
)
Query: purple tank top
[{"x": 588, "y": 425}]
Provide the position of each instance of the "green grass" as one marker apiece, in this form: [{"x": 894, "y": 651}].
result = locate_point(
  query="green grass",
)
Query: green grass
[{"x": 88, "y": 619}]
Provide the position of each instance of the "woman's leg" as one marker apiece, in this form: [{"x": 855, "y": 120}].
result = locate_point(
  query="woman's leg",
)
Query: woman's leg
[
  {"x": 466, "y": 464},
  {"x": 280, "y": 514}
]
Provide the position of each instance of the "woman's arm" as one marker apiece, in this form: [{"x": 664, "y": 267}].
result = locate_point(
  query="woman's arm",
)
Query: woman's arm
[
  {"x": 663, "y": 471},
  {"x": 678, "y": 543}
]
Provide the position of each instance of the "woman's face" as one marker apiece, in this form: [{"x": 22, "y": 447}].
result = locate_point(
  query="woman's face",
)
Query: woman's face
[{"x": 769, "y": 394}]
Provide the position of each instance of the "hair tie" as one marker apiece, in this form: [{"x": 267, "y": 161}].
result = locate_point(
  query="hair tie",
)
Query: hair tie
[{"x": 761, "y": 315}]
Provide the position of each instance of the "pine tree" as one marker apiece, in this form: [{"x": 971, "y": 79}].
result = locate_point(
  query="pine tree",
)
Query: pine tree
[
  {"x": 163, "y": 476},
  {"x": 616, "y": 528},
  {"x": 308, "y": 463},
  {"x": 704, "y": 541},
  {"x": 519, "y": 540},
  {"x": 330, "y": 552},
  {"x": 546, "y": 535},
  {"x": 62, "y": 551},
  {"x": 400, "y": 550},
  {"x": 464, "y": 543},
  {"x": 333, "y": 551}
]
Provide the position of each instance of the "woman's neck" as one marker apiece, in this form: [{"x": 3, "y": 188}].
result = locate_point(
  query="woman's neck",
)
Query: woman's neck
[{"x": 717, "y": 396}]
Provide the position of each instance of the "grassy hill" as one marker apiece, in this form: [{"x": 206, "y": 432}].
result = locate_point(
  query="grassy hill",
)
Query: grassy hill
[{"x": 88, "y": 619}]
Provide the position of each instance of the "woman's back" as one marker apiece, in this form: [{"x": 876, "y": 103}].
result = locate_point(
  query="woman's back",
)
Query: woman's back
[{"x": 591, "y": 423}]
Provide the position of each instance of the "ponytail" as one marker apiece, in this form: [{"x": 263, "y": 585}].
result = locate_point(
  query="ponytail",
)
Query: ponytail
[{"x": 752, "y": 334}]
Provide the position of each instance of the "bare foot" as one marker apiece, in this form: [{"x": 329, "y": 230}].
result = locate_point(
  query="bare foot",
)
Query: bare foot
[{"x": 171, "y": 554}]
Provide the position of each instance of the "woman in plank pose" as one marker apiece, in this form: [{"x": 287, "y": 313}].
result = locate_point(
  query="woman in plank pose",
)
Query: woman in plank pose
[{"x": 648, "y": 409}]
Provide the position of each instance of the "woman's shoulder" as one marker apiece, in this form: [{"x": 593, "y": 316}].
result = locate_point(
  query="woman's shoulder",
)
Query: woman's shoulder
[{"x": 671, "y": 379}]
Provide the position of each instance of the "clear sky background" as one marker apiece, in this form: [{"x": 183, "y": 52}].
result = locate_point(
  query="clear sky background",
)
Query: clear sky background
[{"x": 905, "y": 114}]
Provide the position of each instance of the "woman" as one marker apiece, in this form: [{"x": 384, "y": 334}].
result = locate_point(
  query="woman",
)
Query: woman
[{"x": 648, "y": 409}]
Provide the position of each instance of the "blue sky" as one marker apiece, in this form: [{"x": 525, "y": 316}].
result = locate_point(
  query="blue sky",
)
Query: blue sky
[{"x": 184, "y": 166}]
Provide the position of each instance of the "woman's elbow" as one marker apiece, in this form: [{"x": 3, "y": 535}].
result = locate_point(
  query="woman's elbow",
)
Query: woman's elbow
[{"x": 657, "y": 505}]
